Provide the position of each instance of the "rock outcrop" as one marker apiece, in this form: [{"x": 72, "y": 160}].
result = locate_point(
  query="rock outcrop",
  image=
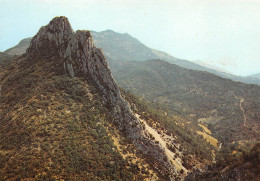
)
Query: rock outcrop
[{"x": 82, "y": 58}]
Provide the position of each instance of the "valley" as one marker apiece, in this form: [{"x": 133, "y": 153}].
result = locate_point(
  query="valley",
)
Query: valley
[
  {"x": 195, "y": 95},
  {"x": 71, "y": 111}
]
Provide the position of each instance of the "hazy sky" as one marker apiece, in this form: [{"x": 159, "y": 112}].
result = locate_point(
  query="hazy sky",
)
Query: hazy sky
[{"x": 224, "y": 33}]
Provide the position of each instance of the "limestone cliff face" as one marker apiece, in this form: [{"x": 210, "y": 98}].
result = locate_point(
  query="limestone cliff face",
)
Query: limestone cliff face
[
  {"x": 53, "y": 38},
  {"x": 82, "y": 58}
]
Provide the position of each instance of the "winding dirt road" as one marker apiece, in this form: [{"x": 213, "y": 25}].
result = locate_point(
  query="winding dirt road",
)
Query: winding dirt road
[
  {"x": 242, "y": 109},
  {"x": 245, "y": 119}
]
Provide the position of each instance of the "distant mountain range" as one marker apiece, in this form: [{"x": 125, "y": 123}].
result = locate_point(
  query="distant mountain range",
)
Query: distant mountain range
[
  {"x": 64, "y": 117},
  {"x": 118, "y": 47},
  {"x": 20, "y": 48},
  {"x": 257, "y": 76},
  {"x": 205, "y": 64}
]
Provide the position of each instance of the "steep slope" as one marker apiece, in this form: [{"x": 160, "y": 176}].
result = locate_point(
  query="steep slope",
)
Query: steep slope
[
  {"x": 47, "y": 114},
  {"x": 123, "y": 47},
  {"x": 198, "y": 96},
  {"x": 194, "y": 151},
  {"x": 20, "y": 48},
  {"x": 4, "y": 59},
  {"x": 118, "y": 46},
  {"x": 53, "y": 126},
  {"x": 4, "y": 56}
]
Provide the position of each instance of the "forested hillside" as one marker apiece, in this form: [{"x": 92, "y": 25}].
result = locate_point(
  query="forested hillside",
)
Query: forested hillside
[{"x": 228, "y": 108}]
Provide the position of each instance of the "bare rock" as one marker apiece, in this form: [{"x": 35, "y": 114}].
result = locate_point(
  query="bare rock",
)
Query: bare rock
[
  {"x": 53, "y": 38},
  {"x": 82, "y": 58}
]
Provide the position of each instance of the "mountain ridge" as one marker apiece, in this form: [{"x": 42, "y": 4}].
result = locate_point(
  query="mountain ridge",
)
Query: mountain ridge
[
  {"x": 118, "y": 47},
  {"x": 257, "y": 76},
  {"x": 63, "y": 116},
  {"x": 80, "y": 59},
  {"x": 130, "y": 47},
  {"x": 20, "y": 48}
]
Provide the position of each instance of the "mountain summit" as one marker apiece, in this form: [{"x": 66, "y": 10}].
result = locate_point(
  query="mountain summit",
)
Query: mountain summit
[
  {"x": 63, "y": 117},
  {"x": 119, "y": 47},
  {"x": 53, "y": 38},
  {"x": 69, "y": 64},
  {"x": 81, "y": 58}
]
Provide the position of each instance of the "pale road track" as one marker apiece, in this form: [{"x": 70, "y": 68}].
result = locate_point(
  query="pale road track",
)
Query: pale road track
[
  {"x": 176, "y": 162},
  {"x": 242, "y": 109},
  {"x": 245, "y": 119}
]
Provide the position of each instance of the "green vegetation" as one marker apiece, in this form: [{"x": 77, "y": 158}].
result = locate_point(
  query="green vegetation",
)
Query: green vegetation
[
  {"x": 4, "y": 60},
  {"x": 234, "y": 167},
  {"x": 191, "y": 143},
  {"x": 53, "y": 127},
  {"x": 198, "y": 97}
]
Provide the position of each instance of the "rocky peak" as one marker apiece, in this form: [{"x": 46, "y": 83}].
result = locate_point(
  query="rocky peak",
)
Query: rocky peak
[
  {"x": 52, "y": 38},
  {"x": 82, "y": 58},
  {"x": 79, "y": 53}
]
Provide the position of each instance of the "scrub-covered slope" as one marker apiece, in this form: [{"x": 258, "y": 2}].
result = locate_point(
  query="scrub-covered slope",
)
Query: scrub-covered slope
[
  {"x": 231, "y": 110},
  {"x": 58, "y": 102}
]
